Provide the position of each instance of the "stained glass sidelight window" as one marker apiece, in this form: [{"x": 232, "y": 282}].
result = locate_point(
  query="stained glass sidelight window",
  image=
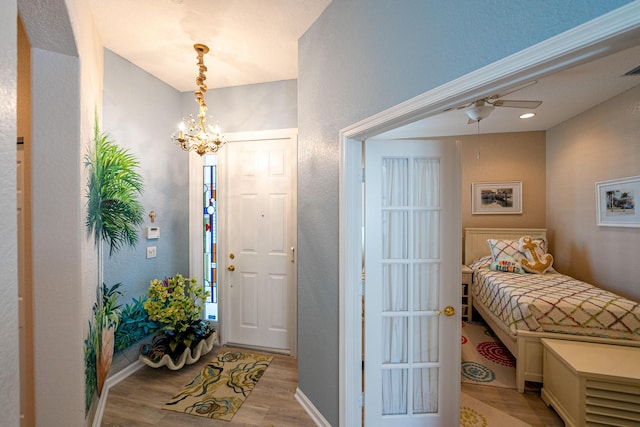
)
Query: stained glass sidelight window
[{"x": 210, "y": 224}]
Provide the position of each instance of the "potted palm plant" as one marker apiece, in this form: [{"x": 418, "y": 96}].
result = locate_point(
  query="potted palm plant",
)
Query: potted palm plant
[{"x": 113, "y": 217}]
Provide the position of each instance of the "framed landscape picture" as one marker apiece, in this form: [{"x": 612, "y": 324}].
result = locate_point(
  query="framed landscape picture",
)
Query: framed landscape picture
[
  {"x": 491, "y": 198},
  {"x": 616, "y": 201}
]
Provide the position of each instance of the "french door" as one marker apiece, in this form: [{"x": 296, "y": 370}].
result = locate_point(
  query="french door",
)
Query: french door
[{"x": 412, "y": 269}]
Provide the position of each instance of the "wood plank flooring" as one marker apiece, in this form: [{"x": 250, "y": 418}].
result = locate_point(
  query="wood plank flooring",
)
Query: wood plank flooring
[
  {"x": 527, "y": 406},
  {"x": 138, "y": 400}
]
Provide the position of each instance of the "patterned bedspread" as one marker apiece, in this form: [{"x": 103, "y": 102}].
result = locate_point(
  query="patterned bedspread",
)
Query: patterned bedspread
[{"x": 554, "y": 302}]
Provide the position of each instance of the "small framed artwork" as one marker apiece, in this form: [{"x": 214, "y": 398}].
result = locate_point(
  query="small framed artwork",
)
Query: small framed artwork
[
  {"x": 616, "y": 202},
  {"x": 492, "y": 198}
]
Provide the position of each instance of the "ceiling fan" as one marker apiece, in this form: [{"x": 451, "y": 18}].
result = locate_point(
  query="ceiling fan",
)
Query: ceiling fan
[{"x": 481, "y": 109}]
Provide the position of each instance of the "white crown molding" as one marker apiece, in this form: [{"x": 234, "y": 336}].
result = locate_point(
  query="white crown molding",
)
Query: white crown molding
[{"x": 615, "y": 31}]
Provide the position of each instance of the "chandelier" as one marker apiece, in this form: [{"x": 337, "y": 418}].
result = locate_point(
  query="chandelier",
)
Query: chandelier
[{"x": 194, "y": 134}]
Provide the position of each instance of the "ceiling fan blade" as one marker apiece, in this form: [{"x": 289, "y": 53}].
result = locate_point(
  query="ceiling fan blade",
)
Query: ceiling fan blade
[
  {"x": 515, "y": 89},
  {"x": 512, "y": 103},
  {"x": 459, "y": 107}
]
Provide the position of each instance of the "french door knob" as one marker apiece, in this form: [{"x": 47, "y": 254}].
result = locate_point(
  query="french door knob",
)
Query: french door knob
[
  {"x": 231, "y": 267},
  {"x": 448, "y": 311}
]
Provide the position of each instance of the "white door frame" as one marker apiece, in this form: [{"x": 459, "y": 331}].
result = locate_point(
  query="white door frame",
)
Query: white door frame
[
  {"x": 602, "y": 36},
  {"x": 195, "y": 221}
]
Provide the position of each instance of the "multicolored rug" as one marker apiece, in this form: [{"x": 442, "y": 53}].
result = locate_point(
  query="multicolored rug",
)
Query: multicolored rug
[
  {"x": 474, "y": 413},
  {"x": 485, "y": 360},
  {"x": 222, "y": 386}
]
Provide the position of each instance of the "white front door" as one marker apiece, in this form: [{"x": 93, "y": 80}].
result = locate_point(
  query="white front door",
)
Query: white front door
[
  {"x": 412, "y": 272},
  {"x": 258, "y": 235}
]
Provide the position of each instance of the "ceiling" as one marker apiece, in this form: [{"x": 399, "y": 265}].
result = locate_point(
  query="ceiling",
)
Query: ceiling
[
  {"x": 256, "y": 41},
  {"x": 250, "y": 41},
  {"x": 564, "y": 95}
]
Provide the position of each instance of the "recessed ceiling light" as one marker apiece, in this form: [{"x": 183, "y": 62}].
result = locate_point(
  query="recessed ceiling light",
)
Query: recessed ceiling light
[{"x": 527, "y": 115}]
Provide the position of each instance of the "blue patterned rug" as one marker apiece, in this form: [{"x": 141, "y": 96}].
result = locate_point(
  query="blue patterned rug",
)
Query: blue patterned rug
[{"x": 485, "y": 360}]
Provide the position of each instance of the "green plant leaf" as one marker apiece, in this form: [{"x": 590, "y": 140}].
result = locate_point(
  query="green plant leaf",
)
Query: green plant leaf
[{"x": 113, "y": 210}]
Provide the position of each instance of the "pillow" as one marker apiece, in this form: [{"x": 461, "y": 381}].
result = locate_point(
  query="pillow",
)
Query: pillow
[
  {"x": 535, "y": 260},
  {"x": 507, "y": 266},
  {"x": 480, "y": 262},
  {"x": 510, "y": 249}
]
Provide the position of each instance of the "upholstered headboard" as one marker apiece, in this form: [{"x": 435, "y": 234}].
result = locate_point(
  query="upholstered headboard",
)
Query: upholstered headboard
[{"x": 475, "y": 239}]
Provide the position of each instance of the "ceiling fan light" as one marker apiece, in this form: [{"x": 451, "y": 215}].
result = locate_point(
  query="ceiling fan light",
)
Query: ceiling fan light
[
  {"x": 479, "y": 112},
  {"x": 527, "y": 115}
]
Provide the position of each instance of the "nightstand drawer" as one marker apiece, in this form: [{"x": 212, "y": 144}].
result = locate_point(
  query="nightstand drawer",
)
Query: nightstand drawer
[{"x": 467, "y": 299}]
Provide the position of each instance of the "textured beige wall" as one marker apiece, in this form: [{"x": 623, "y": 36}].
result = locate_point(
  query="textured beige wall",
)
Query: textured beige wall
[
  {"x": 505, "y": 157},
  {"x": 601, "y": 144}
]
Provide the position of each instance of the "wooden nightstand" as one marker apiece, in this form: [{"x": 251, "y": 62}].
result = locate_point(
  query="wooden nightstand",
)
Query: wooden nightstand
[{"x": 467, "y": 298}]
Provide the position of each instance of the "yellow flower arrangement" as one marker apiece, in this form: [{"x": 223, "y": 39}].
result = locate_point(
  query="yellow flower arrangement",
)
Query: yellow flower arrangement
[{"x": 176, "y": 304}]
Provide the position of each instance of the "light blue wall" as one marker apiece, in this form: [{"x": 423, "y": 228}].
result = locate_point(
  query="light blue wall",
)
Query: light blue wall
[
  {"x": 139, "y": 113},
  {"x": 262, "y": 106},
  {"x": 359, "y": 58}
]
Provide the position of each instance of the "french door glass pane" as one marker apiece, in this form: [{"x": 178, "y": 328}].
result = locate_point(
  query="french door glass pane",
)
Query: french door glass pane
[
  {"x": 395, "y": 331},
  {"x": 425, "y": 225},
  {"x": 425, "y": 332},
  {"x": 394, "y": 185},
  {"x": 395, "y": 235},
  {"x": 425, "y": 286},
  {"x": 395, "y": 285},
  {"x": 425, "y": 390},
  {"x": 394, "y": 392},
  {"x": 426, "y": 183}
]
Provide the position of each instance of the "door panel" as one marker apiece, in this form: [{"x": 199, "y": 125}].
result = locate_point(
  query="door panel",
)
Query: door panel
[
  {"x": 260, "y": 179},
  {"x": 411, "y": 268},
  {"x": 248, "y": 300}
]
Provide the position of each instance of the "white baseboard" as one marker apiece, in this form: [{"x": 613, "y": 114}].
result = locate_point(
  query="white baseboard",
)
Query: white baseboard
[
  {"x": 110, "y": 382},
  {"x": 310, "y": 409}
]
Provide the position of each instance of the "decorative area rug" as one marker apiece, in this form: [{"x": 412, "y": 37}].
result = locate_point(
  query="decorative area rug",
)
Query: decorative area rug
[
  {"x": 222, "y": 386},
  {"x": 485, "y": 360},
  {"x": 474, "y": 413}
]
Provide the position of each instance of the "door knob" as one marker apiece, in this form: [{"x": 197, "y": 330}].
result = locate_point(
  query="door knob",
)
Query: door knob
[
  {"x": 231, "y": 267},
  {"x": 448, "y": 311}
]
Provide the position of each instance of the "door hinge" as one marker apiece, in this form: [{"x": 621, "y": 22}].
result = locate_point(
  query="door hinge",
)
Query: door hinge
[
  {"x": 361, "y": 400},
  {"x": 361, "y": 288},
  {"x": 362, "y": 174}
]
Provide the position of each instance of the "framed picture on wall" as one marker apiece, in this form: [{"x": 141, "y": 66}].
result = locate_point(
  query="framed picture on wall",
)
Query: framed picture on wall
[
  {"x": 616, "y": 201},
  {"x": 494, "y": 198}
]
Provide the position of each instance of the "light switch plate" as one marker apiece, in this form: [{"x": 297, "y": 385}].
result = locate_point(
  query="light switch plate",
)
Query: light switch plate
[{"x": 151, "y": 252}]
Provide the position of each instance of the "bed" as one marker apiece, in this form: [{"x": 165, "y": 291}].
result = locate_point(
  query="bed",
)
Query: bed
[{"x": 517, "y": 321}]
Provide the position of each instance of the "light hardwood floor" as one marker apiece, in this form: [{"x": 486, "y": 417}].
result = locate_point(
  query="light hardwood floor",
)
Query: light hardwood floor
[
  {"x": 527, "y": 406},
  {"x": 137, "y": 400}
]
